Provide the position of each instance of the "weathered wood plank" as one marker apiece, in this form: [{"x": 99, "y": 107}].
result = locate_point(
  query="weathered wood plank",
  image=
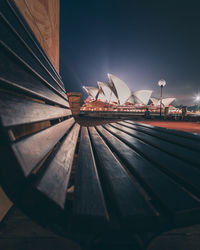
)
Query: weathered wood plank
[
  {"x": 123, "y": 192},
  {"x": 182, "y": 172},
  {"x": 176, "y": 150},
  {"x": 54, "y": 181},
  {"x": 175, "y": 139},
  {"x": 11, "y": 38},
  {"x": 16, "y": 38},
  {"x": 27, "y": 65},
  {"x": 173, "y": 198},
  {"x": 46, "y": 29},
  {"x": 17, "y": 110},
  {"x": 89, "y": 200},
  {"x": 5, "y": 204},
  {"x": 25, "y": 31},
  {"x": 14, "y": 74},
  {"x": 31, "y": 150}
]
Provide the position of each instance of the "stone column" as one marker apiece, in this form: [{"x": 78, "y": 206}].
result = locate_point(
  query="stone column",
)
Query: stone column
[{"x": 75, "y": 102}]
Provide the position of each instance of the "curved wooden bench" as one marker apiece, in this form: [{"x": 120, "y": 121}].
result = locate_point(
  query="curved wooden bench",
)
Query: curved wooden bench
[{"x": 107, "y": 182}]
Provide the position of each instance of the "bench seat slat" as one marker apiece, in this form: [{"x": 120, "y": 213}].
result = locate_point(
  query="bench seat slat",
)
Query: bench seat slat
[
  {"x": 186, "y": 142},
  {"x": 172, "y": 196},
  {"x": 31, "y": 150},
  {"x": 180, "y": 169},
  {"x": 176, "y": 150},
  {"x": 16, "y": 110},
  {"x": 55, "y": 180},
  {"x": 123, "y": 192},
  {"x": 14, "y": 73},
  {"x": 89, "y": 200}
]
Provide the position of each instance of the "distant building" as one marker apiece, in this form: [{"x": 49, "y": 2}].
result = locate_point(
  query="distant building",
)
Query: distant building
[{"x": 116, "y": 95}]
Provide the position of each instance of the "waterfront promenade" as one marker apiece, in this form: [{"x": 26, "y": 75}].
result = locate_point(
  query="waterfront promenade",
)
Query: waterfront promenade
[{"x": 192, "y": 127}]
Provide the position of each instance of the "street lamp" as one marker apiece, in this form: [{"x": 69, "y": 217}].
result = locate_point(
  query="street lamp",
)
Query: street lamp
[{"x": 161, "y": 84}]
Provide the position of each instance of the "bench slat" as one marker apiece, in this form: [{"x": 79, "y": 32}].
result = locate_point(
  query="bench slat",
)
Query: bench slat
[
  {"x": 176, "y": 150},
  {"x": 16, "y": 110},
  {"x": 89, "y": 200},
  {"x": 28, "y": 67},
  {"x": 14, "y": 17},
  {"x": 171, "y": 195},
  {"x": 14, "y": 74},
  {"x": 187, "y": 174},
  {"x": 31, "y": 150},
  {"x": 13, "y": 40},
  {"x": 123, "y": 192},
  {"x": 55, "y": 180},
  {"x": 186, "y": 142},
  {"x": 17, "y": 44}
]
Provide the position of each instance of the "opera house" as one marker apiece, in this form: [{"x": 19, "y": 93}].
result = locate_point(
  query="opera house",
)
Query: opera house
[{"x": 116, "y": 95}]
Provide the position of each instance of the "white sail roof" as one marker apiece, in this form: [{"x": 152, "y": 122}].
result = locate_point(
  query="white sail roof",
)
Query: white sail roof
[
  {"x": 120, "y": 89},
  {"x": 154, "y": 101},
  {"x": 109, "y": 95},
  {"x": 142, "y": 96},
  {"x": 165, "y": 101},
  {"x": 101, "y": 97},
  {"x": 92, "y": 91},
  {"x": 131, "y": 99}
]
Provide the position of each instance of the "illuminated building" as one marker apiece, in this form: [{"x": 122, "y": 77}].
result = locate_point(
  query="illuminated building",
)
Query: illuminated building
[{"x": 116, "y": 96}]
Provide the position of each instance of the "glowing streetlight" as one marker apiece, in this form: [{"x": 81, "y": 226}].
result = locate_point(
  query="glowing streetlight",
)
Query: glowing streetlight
[
  {"x": 161, "y": 84},
  {"x": 197, "y": 99}
]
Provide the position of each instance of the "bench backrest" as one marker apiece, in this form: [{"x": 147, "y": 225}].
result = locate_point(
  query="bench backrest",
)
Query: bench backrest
[{"x": 38, "y": 132}]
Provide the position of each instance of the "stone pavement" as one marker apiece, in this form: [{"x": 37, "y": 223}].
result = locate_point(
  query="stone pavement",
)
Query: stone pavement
[{"x": 18, "y": 232}]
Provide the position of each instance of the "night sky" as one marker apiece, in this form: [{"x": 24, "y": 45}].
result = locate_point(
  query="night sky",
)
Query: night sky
[{"x": 141, "y": 42}]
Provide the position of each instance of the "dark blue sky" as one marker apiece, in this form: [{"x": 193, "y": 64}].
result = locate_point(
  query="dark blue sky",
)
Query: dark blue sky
[{"x": 138, "y": 41}]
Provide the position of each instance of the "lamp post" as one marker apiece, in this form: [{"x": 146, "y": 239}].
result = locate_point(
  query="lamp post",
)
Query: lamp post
[{"x": 161, "y": 84}]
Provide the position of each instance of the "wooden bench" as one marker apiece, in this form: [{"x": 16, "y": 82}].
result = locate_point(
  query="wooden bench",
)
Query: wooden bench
[{"x": 109, "y": 183}]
